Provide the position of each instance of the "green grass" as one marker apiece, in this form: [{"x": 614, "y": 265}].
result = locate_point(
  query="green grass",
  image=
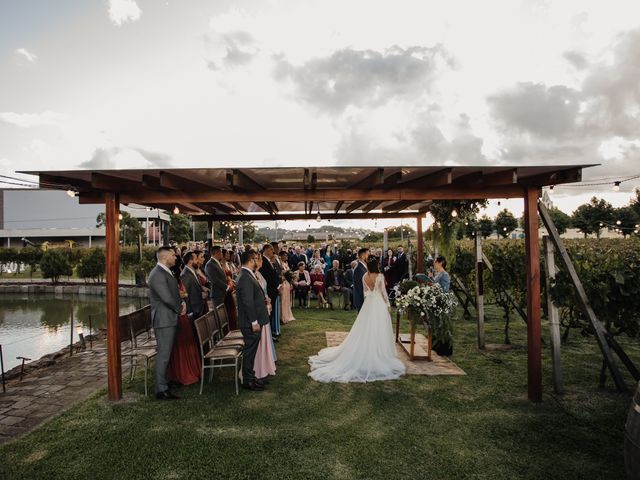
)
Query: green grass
[{"x": 476, "y": 426}]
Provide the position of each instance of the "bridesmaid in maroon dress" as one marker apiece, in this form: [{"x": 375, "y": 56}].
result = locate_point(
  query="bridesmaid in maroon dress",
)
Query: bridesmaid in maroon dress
[
  {"x": 184, "y": 365},
  {"x": 229, "y": 299}
]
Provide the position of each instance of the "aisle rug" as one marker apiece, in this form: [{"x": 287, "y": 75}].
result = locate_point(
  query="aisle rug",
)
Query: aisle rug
[{"x": 438, "y": 366}]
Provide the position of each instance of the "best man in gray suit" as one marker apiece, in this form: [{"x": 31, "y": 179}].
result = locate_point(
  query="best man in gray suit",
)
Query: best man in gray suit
[
  {"x": 166, "y": 305},
  {"x": 195, "y": 302},
  {"x": 252, "y": 313},
  {"x": 217, "y": 277}
]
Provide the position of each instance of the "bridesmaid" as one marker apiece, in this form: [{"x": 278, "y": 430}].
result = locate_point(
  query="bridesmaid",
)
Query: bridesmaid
[
  {"x": 229, "y": 299},
  {"x": 202, "y": 278},
  {"x": 265, "y": 361},
  {"x": 184, "y": 365},
  {"x": 286, "y": 287}
]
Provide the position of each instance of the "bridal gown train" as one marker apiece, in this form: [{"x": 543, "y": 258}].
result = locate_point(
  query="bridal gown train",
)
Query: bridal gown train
[{"x": 368, "y": 353}]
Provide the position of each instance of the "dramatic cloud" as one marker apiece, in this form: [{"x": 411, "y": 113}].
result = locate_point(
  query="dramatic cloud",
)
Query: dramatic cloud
[
  {"x": 28, "y": 120},
  {"x": 364, "y": 77},
  {"x": 125, "y": 157},
  {"x": 122, "y": 11},
  {"x": 26, "y": 55}
]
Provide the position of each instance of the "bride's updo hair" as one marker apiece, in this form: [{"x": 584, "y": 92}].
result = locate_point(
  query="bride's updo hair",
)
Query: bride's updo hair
[{"x": 372, "y": 265}]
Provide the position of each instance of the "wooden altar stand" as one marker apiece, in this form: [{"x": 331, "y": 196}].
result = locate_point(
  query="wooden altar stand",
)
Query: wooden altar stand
[{"x": 409, "y": 344}]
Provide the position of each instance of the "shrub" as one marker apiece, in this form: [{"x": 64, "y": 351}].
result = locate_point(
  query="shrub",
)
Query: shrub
[
  {"x": 54, "y": 264},
  {"x": 93, "y": 265}
]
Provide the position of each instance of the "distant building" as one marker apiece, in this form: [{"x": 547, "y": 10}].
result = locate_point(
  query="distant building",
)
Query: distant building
[{"x": 37, "y": 216}]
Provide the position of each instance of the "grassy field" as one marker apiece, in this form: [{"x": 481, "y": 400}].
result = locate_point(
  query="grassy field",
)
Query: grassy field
[{"x": 477, "y": 426}]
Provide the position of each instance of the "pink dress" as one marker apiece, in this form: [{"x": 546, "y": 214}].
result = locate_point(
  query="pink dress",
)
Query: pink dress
[
  {"x": 285, "y": 302},
  {"x": 264, "y": 364}
]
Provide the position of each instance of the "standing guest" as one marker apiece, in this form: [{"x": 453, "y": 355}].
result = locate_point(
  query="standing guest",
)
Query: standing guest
[
  {"x": 265, "y": 363},
  {"x": 217, "y": 277},
  {"x": 229, "y": 300},
  {"x": 252, "y": 312},
  {"x": 284, "y": 261},
  {"x": 336, "y": 284},
  {"x": 441, "y": 276},
  {"x": 401, "y": 267},
  {"x": 315, "y": 261},
  {"x": 286, "y": 287},
  {"x": 198, "y": 266},
  {"x": 302, "y": 285},
  {"x": 166, "y": 305},
  {"x": 191, "y": 283},
  {"x": 358, "y": 273},
  {"x": 388, "y": 262},
  {"x": 273, "y": 280},
  {"x": 177, "y": 266},
  {"x": 228, "y": 263},
  {"x": 318, "y": 285},
  {"x": 327, "y": 260}
]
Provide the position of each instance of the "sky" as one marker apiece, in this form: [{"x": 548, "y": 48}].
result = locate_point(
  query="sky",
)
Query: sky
[{"x": 192, "y": 83}]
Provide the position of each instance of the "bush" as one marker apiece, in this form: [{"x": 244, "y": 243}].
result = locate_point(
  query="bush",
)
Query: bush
[
  {"x": 93, "y": 265},
  {"x": 54, "y": 264}
]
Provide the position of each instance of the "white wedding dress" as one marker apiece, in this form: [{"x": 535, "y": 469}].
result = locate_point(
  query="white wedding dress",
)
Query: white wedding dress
[{"x": 368, "y": 353}]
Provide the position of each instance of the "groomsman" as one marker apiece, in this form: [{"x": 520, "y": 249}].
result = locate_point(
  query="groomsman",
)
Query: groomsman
[
  {"x": 195, "y": 302},
  {"x": 166, "y": 305},
  {"x": 217, "y": 278},
  {"x": 358, "y": 273},
  {"x": 252, "y": 312},
  {"x": 401, "y": 268},
  {"x": 273, "y": 280}
]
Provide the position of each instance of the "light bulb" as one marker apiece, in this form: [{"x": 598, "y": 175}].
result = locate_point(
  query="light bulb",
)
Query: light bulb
[
  {"x": 618, "y": 222},
  {"x": 176, "y": 210},
  {"x": 454, "y": 213},
  {"x": 505, "y": 229},
  {"x": 119, "y": 216},
  {"x": 71, "y": 193},
  {"x": 318, "y": 218},
  {"x": 601, "y": 224},
  {"x": 616, "y": 186},
  {"x": 551, "y": 187}
]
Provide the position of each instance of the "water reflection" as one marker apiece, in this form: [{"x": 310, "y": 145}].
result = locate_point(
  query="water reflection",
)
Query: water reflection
[{"x": 34, "y": 325}]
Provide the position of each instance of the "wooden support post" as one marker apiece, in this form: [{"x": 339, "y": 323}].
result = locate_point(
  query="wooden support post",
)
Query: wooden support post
[
  {"x": 479, "y": 291},
  {"x": 397, "y": 326},
  {"x": 114, "y": 361},
  {"x": 209, "y": 234},
  {"x": 554, "y": 315},
  {"x": 420, "y": 249},
  {"x": 583, "y": 301},
  {"x": 534, "y": 329}
]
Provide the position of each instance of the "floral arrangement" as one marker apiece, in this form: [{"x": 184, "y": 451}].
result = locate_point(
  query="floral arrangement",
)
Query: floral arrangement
[{"x": 428, "y": 302}]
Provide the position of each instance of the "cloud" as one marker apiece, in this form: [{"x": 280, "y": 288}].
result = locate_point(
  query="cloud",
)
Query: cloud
[
  {"x": 576, "y": 59},
  {"x": 29, "y": 120},
  {"x": 364, "y": 77},
  {"x": 230, "y": 49},
  {"x": 122, "y": 11},
  {"x": 125, "y": 157},
  {"x": 26, "y": 55}
]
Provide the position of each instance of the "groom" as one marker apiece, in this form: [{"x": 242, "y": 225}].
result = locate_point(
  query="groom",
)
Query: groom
[{"x": 358, "y": 273}]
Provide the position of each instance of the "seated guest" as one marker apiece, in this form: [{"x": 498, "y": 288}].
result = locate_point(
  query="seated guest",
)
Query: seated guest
[
  {"x": 301, "y": 284},
  {"x": 318, "y": 285},
  {"x": 336, "y": 284},
  {"x": 441, "y": 277},
  {"x": 348, "y": 279}
]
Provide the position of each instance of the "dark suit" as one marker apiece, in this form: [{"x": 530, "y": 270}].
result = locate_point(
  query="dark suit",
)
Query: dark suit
[
  {"x": 251, "y": 307},
  {"x": 399, "y": 269},
  {"x": 166, "y": 305},
  {"x": 336, "y": 283},
  {"x": 218, "y": 280},
  {"x": 358, "y": 287},
  {"x": 269, "y": 273},
  {"x": 195, "y": 302}
]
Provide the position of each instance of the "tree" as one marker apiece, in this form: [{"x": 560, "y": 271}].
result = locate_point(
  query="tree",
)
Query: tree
[
  {"x": 486, "y": 226},
  {"x": 628, "y": 220},
  {"x": 372, "y": 237},
  {"x": 229, "y": 231},
  {"x": 54, "y": 264},
  {"x": 561, "y": 220},
  {"x": 179, "y": 228},
  {"x": 311, "y": 239},
  {"x": 593, "y": 216},
  {"x": 93, "y": 265},
  {"x": 471, "y": 227},
  {"x": 130, "y": 228},
  {"x": 635, "y": 202},
  {"x": 394, "y": 232},
  {"x": 505, "y": 223}
]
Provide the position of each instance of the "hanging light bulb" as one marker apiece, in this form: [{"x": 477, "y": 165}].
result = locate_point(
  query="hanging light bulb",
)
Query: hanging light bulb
[
  {"x": 616, "y": 186},
  {"x": 119, "y": 216},
  {"x": 454, "y": 213},
  {"x": 618, "y": 222},
  {"x": 601, "y": 224},
  {"x": 499, "y": 202},
  {"x": 319, "y": 217},
  {"x": 71, "y": 193},
  {"x": 551, "y": 187},
  {"x": 176, "y": 210}
]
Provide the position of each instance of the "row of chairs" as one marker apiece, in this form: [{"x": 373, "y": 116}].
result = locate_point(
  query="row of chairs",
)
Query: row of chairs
[{"x": 138, "y": 342}]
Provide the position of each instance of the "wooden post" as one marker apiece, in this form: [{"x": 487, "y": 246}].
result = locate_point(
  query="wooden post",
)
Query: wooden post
[
  {"x": 209, "y": 234},
  {"x": 413, "y": 341},
  {"x": 479, "y": 291},
  {"x": 114, "y": 365},
  {"x": 420, "y": 249},
  {"x": 534, "y": 329},
  {"x": 554, "y": 315},
  {"x": 397, "y": 326}
]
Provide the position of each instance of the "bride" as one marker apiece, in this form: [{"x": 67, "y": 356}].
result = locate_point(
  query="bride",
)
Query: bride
[{"x": 368, "y": 353}]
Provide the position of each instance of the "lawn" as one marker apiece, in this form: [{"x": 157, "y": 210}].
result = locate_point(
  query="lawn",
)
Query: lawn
[{"x": 475, "y": 426}]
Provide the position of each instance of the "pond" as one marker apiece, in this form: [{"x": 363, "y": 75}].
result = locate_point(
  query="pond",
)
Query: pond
[{"x": 34, "y": 325}]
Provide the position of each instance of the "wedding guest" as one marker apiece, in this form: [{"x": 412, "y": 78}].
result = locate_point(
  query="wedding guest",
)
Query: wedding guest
[
  {"x": 318, "y": 285},
  {"x": 198, "y": 266},
  {"x": 441, "y": 277},
  {"x": 265, "y": 362},
  {"x": 336, "y": 284},
  {"x": 302, "y": 284},
  {"x": 191, "y": 286},
  {"x": 270, "y": 274},
  {"x": 358, "y": 273},
  {"x": 327, "y": 260},
  {"x": 217, "y": 277},
  {"x": 284, "y": 261},
  {"x": 229, "y": 297},
  {"x": 348, "y": 279},
  {"x": 316, "y": 260},
  {"x": 400, "y": 268},
  {"x": 388, "y": 262},
  {"x": 285, "y": 289}
]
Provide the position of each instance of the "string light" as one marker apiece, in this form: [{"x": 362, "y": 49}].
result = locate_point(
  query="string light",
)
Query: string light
[
  {"x": 71, "y": 193},
  {"x": 616, "y": 186},
  {"x": 176, "y": 210},
  {"x": 618, "y": 222},
  {"x": 319, "y": 217},
  {"x": 454, "y": 213},
  {"x": 119, "y": 216}
]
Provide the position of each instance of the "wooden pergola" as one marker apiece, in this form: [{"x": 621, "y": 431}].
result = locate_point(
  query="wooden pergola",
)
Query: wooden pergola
[{"x": 289, "y": 193}]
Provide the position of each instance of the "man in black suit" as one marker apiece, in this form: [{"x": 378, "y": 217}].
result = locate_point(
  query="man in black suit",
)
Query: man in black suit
[
  {"x": 273, "y": 280},
  {"x": 358, "y": 273},
  {"x": 252, "y": 312},
  {"x": 336, "y": 284},
  {"x": 195, "y": 302},
  {"x": 217, "y": 278},
  {"x": 400, "y": 269}
]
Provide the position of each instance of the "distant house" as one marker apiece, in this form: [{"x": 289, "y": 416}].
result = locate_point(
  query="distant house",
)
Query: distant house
[{"x": 37, "y": 216}]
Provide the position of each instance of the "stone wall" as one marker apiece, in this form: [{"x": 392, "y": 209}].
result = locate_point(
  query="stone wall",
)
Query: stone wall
[{"x": 33, "y": 288}]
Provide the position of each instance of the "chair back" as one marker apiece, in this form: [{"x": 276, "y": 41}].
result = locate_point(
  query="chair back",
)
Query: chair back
[
  {"x": 125, "y": 328},
  {"x": 223, "y": 319},
  {"x": 139, "y": 324},
  {"x": 203, "y": 333}
]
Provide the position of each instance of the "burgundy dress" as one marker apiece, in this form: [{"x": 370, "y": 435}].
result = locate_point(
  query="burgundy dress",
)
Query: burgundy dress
[
  {"x": 317, "y": 277},
  {"x": 184, "y": 365},
  {"x": 229, "y": 301}
]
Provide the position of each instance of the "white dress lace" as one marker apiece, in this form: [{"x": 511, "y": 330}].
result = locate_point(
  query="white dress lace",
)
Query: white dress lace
[{"x": 368, "y": 353}]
